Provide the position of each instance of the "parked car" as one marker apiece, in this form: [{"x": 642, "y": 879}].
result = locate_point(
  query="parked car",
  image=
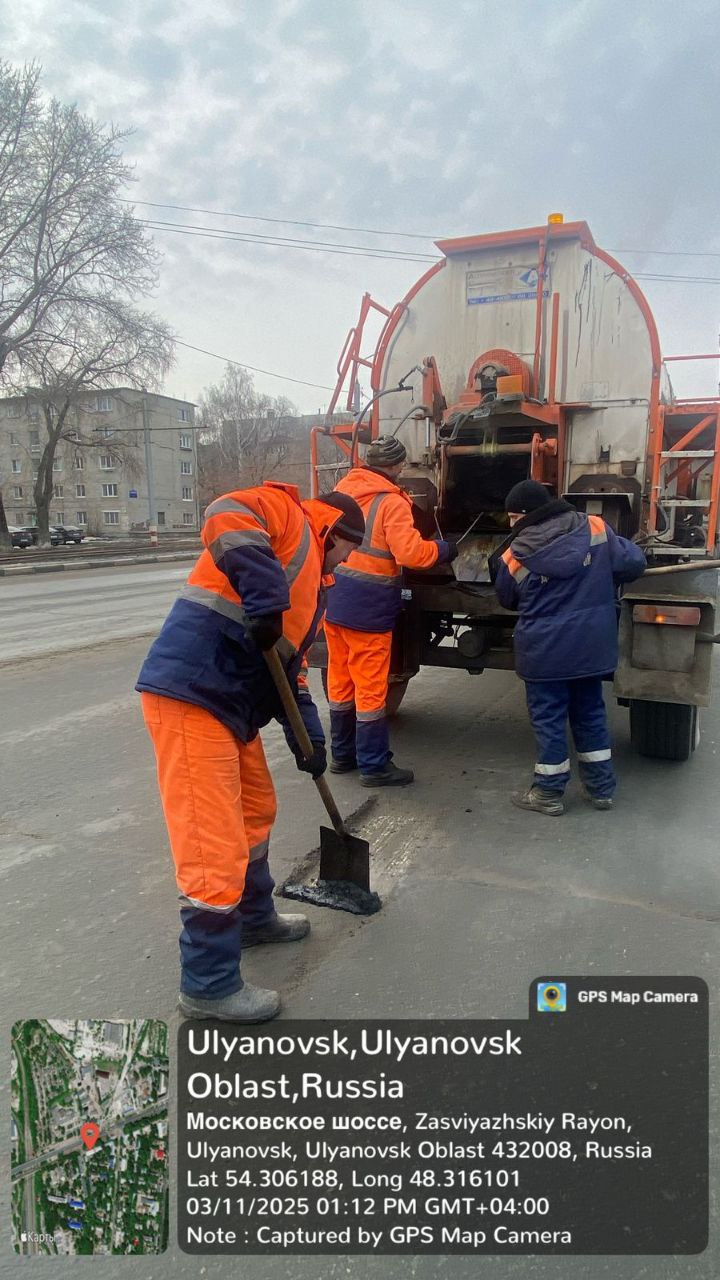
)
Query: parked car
[
  {"x": 65, "y": 533},
  {"x": 19, "y": 537}
]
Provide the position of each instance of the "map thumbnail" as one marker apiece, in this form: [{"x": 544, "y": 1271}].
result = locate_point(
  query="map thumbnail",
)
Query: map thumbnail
[{"x": 89, "y": 1137}]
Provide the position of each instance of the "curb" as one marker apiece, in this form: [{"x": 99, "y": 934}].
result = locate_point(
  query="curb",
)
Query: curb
[{"x": 167, "y": 557}]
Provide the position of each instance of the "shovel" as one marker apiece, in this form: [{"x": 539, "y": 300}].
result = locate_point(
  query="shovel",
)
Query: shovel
[{"x": 344, "y": 879}]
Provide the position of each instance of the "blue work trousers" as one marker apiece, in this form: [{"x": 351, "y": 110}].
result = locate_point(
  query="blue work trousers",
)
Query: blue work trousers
[
  {"x": 551, "y": 704},
  {"x": 211, "y": 941}
]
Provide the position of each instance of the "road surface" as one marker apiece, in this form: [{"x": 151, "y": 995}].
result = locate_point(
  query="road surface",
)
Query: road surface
[{"x": 480, "y": 898}]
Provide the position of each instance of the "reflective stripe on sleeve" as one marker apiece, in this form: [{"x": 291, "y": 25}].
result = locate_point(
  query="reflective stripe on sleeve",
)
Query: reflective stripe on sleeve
[
  {"x": 590, "y": 757},
  {"x": 221, "y": 506},
  {"x": 549, "y": 770},
  {"x": 237, "y": 538},
  {"x": 211, "y": 600}
]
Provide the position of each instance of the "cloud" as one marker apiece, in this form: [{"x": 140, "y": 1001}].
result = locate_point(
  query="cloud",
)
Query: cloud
[{"x": 463, "y": 119}]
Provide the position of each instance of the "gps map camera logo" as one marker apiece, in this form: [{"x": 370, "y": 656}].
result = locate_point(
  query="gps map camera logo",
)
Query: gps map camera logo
[{"x": 551, "y": 997}]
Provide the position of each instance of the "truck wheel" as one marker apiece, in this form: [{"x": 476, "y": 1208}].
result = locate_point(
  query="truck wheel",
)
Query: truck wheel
[{"x": 663, "y": 730}]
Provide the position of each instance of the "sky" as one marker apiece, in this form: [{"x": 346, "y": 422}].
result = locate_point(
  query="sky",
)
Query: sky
[{"x": 413, "y": 117}]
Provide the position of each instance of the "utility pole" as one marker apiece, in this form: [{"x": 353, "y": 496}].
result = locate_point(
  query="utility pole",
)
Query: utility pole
[{"x": 152, "y": 510}]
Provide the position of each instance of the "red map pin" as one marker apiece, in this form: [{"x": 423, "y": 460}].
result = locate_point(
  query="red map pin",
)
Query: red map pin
[{"x": 90, "y": 1132}]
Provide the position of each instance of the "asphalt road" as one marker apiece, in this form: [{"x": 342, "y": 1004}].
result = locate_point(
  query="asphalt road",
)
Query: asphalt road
[{"x": 480, "y": 898}]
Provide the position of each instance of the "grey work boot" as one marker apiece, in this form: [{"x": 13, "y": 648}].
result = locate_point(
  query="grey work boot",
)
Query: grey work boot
[
  {"x": 249, "y": 1004},
  {"x": 343, "y": 766},
  {"x": 390, "y": 776},
  {"x": 548, "y": 802},
  {"x": 597, "y": 802},
  {"x": 278, "y": 929}
]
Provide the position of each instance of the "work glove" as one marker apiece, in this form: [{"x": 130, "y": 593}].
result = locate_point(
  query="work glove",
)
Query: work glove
[
  {"x": 265, "y": 630},
  {"x": 317, "y": 764},
  {"x": 453, "y": 551}
]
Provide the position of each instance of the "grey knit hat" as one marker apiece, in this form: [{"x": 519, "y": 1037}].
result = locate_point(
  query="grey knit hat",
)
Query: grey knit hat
[{"x": 386, "y": 451}]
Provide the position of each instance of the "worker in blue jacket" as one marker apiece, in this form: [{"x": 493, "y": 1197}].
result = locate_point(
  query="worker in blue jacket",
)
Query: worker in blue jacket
[{"x": 560, "y": 573}]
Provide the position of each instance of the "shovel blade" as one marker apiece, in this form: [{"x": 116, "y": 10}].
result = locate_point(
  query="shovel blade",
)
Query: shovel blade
[{"x": 344, "y": 857}]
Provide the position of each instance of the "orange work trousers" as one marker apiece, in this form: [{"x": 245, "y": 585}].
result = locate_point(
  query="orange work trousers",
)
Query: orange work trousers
[
  {"x": 358, "y": 670},
  {"x": 218, "y": 799}
]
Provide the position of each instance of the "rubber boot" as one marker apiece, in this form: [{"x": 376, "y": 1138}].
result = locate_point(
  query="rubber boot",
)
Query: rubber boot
[
  {"x": 277, "y": 929},
  {"x": 548, "y": 802},
  {"x": 249, "y": 1004},
  {"x": 389, "y": 776}
]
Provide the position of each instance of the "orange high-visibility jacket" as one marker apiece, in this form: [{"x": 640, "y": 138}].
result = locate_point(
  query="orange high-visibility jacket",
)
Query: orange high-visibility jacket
[
  {"x": 367, "y": 591},
  {"x": 264, "y": 551}
]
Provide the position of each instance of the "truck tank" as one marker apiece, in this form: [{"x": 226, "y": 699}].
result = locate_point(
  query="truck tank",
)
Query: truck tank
[{"x": 534, "y": 353}]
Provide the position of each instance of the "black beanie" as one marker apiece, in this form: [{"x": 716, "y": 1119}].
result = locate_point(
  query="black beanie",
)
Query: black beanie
[
  {"x": 385, "y": 451},
  {"x": 351, "y": 524},
  {"x": 528, "y": 495}
]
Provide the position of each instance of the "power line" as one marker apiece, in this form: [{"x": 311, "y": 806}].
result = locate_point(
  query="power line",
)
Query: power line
[
  {"x": 286, "y": 222},
  {"x": 268, "y": 373},
  {"x": 383, "y": 255},
  {"x": 156, "y": 224}
]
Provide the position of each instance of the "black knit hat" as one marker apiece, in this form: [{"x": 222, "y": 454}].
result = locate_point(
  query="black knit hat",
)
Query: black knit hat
[
  {"x": 386, "y": 451},
  {"x": 528, "y": 495},
  {"x": 351, "y": 524}
]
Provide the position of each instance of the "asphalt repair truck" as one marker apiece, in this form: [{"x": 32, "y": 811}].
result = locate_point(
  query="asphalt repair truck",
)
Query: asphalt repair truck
[{"x": 534, "y": 353}]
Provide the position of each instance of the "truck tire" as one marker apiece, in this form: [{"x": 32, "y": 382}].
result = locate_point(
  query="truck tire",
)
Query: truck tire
[{"x": 664, "y": 730}]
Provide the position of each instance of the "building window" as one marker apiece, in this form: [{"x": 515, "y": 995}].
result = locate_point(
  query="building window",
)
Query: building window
[
  {"x": 32, "y": 519},
  {"x": 17, "y": 491},
  {"x": 81, "y": 517},
  {"x": 107, "y": 462},
  {"x": 185, "y": 441},
  {"x": 186, "y": 467},
  {"x": 103, "y": 404},
  {"x": 16, "y": 466},
  {"x": 111, "y": 517},
  {"x": 57, "y": 464},
  {"x": 13, "y": 438},
  {"x": 188, "y": 517},
  {"x": 79, "y": 462},
  {"x": 34, "y": 439},
  {"x": 33, "y": 413},
  {"x": 107, "y": 432},
  {"x": 183, "y": 415},
  {"x": 187, "y": 493},
  {"x": 36, "y": 473},
  {"x": 109, "y": 491},
  {"x": 80, "y": 491},
  {"x": 161, "y": 518},
  {"x": 14, "y": 411},
  {"x": 58, "y": 491},
  {"x": 59, "y": 517},
  {"x": 19, "y": 516}
]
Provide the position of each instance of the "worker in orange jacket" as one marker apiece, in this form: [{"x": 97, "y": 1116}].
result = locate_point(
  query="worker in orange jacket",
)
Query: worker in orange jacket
[
  {"x": 362, "y": 607},
  {"x": 206, "y": 691}
]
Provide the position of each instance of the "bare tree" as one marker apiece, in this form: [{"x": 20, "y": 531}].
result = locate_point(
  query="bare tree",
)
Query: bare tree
[
  {"x": 69, "y": 246},
  {"x": 245, "y": 437},
  {"x": 120, "y": 345}
]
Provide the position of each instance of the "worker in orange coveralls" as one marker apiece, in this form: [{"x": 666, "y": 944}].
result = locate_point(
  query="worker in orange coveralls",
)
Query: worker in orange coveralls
[
  {"x": 362, "y": 607},
  {"x": 206, "y": 691}
]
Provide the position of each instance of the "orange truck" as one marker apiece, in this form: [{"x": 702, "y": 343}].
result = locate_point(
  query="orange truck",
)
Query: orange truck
[{"x": 534, "y": 353}]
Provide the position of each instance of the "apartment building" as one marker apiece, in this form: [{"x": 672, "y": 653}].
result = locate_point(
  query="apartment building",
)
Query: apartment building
[{"x": 100, "y": 472}]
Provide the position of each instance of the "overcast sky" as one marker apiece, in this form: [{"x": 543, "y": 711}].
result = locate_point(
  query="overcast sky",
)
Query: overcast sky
[{"x": 413, "y": 116}]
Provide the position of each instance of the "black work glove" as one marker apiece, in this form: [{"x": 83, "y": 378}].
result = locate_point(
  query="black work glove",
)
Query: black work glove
[
  {"x": 265, "y": 630},
  {"x": 317, "y": 764},
  {"x": 453, "y": 551}
]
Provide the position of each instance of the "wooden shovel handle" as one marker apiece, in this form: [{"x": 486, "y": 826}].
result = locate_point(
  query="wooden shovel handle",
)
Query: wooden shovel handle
[{"x": 302, "y": 737}]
